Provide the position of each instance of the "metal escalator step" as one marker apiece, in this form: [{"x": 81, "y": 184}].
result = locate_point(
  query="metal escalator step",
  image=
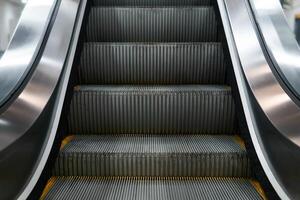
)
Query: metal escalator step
[
  {"x": 171, "y": 24},
  {"x": 139, "y": 63},
  {"x": 150, "y": 189},
  {"x": 153, "y": 156},
  {"x": 153, "y": 2},
  {"x": 190, "y": 109}
]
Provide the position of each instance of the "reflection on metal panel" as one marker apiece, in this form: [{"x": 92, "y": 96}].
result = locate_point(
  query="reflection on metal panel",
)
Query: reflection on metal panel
[
  {"x": 283, "y": 115},
  {"x": 275, "y": 102},
  {"x": 18, "y": 58},
  {"x": 280, "y": 41},
  {"x": 18, "y": 123},
  {"x": 10, "y": 12},
  {"x": 23, "y": 112}
]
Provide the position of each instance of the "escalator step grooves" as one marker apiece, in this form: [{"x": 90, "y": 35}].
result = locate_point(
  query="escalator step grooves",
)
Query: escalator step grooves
[
  {"x": 153, "y": 156},
  {"x": 187, "y": 24},
  {"x": 152, "y": 117},
  {"x": 139, "y": 63},
  {"x": 151, "y": 188},
  {"x": 152, "y": 2},
  {"x": 181, "y": 109}
]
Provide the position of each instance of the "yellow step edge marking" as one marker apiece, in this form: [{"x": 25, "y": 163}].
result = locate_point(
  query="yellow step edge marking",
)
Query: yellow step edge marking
[
  {"x": 66, "y": 141},
  {"x": 240, "y": 141},
  {"x": 77, "y": 88},
  {"x": 48, "y": 187},
  {"x": 259, "y": 189}
]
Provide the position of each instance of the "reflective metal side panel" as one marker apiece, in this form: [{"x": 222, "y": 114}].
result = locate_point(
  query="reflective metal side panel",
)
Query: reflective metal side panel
[
  {"x": 270, "y": 112},
  {"x": 24, "y": 46},
  {"x": 280, "y": 41},
  {"x": 28, "y": 126},
  {"x": 22, "y": 113},
  {"x": 278, "y": 106}
]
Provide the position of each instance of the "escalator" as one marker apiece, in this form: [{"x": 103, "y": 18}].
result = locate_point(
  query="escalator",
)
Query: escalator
[
  {"x": 150, "y": 99},
  {"x": 152, "y": 114}
]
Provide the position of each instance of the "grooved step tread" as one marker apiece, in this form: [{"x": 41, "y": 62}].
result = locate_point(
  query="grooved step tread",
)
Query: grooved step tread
[
  {"x": 152, "y": 142},
  {"x": 152, "y": 24},
  {"x": 150, "y": 188},
  {"x": 153, "y": 2},
  {"x": 177, "y": 109},
  {"x": 153, "y": 155},
  {"x": 152, "y": 63}
]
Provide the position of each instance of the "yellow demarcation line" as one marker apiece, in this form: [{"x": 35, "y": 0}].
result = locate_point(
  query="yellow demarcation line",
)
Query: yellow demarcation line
[
  {"x": 240, "y": 141},
  {"x": 48, "y": 187},
  {"x": 77, "y": 88},
  {"x": 66, "y": 141},
  {"x": 259, "y": 189}
]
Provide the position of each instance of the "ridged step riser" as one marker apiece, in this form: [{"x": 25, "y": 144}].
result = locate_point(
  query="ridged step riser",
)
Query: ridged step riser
[
  {"x": 152, "y": 64},
  {"x": 153, "y": 165},
  {"x": 153, "y": 2},
  {"x": 107, "y": 24},
  {"x": 144, "y": 189},
  {"x": 182, "y": 110},
  {"x": 153, "y": 156}
]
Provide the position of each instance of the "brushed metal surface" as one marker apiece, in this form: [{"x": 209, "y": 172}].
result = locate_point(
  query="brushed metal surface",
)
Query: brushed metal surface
[
  {"x": 278, "y": 106},
  {"x": 22, "y": 113},
  {"x": 17, "y": 60},
  {"x": 258, "y": 84},
  {"x": 59, "y": 52},
  {"x": 280, "y": 41},
  {"x": 20, "y": 116}
]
